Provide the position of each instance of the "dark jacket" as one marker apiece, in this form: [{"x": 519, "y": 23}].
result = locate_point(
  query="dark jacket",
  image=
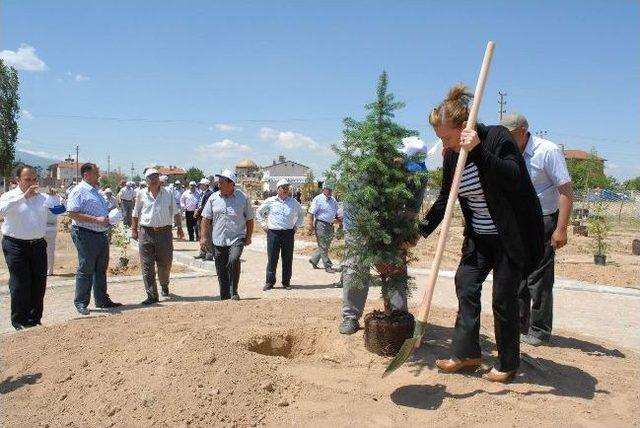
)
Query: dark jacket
[{"x": 511, "y": 198}]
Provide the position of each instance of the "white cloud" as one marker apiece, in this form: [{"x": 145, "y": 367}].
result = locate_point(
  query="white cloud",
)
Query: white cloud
[
  {"x": 227, "y": 128},
  {"x": 81, "y": 78},
  {"x": 290, "y": 140},
  {"x": 24, "y": 58},
  {"x": 222, "y": 149},
  {"x": 39, "y": 153},
  {"x": 26, "y": 114}
]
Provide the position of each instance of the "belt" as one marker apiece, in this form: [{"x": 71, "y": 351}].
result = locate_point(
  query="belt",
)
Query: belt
[
  {"x": 322, "y": 221},
  {"x": 24, "y": 241},
  {"x": 157, "y": 229},
  {"x": 84, "y": 229}
]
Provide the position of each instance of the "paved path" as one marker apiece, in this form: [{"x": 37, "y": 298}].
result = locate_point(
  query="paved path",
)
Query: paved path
[{"x": 612, "y": 318}]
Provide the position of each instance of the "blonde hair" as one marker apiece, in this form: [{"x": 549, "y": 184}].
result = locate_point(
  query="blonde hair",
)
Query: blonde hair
[{"x": 454, "y": 110}]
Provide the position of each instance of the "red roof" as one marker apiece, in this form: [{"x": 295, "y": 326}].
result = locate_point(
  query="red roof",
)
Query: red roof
[
  {"x": 63, "y": 165},
  {"x": 578, "y": 154},
  {"x": 171, "y": 170}
]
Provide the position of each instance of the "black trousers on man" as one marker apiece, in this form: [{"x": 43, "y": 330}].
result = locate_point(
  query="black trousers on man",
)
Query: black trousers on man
[
  {"x": 279, "y": 241},
  {"x": 536, "y": 292},
  {"x": 227, "y": 260},
  {"x": 191, "y": 225},
  {"x": 481, "y": 254},
  {"x": 27, "y": 263}
]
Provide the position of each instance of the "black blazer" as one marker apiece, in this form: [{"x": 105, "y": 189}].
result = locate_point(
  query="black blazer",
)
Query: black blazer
[{"x": 511, "y": 198}]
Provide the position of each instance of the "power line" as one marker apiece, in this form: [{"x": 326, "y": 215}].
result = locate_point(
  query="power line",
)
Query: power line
[{"x": 502, "y": 102}]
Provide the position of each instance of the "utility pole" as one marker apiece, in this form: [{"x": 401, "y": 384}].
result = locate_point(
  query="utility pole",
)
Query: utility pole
[
  {"x": 77, "y": 164},
  {"x": 108, "y": 165},
  {"x": 502, "y": 102},
  {"x": 132, "y": 169}
]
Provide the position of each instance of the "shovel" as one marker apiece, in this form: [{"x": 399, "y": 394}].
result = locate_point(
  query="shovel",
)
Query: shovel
[{"x": 423, "y": 312}]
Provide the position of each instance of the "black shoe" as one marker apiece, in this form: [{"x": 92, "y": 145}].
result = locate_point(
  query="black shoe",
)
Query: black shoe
[
  {"x": 149, "y": 301},
  {"x": 267, "y": 287},
  {"x": 287, "y": 287},
  {"x": 209, "y": 257},
  {"x": 337, "y": 284},
  {"x": 20, "y": 326},
  {"x": 82, "y": 310},
  {"x": 109, "y": 304},
  {"x": 315, "y": 266},
  {"x": 199, "y": 256},
  {"x": 235, "y": 297},
  {"x": 330, "y": 270},
  {"x": 165, "y": 292},
  {"x": 348, "y": 326}
]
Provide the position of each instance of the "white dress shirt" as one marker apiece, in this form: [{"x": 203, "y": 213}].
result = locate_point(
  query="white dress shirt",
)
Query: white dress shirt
[
  {"x": 155, "y": 212},
  {"x": 323, "y": 208},
  {"x": 25, "y": 218},
  {"x": 127, "y": 194},
  {"x": 278, "y": 214},
  {"x": 189, "y": 200},
  {"x": 548, "y": 171}
]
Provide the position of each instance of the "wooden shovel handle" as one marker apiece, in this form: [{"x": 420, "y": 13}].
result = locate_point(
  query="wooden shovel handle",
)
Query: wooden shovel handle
[{"x": 423, "y": 312}]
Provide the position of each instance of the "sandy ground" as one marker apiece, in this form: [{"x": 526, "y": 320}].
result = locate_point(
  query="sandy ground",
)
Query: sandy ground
[{"x": 280, "y": 362}]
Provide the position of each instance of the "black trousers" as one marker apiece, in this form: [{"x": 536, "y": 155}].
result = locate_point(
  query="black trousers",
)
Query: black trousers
[
  {"x": 536, "y": 292},
  {"x": 279, "y": 241},
  {"x": 191, "y": 224},
  {"x": 481, "y": 254},
  {"x": 27, "y": 263},
  {"x": 227, "y": 261}
]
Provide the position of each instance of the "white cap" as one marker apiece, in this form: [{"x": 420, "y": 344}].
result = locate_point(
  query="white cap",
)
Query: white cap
[
  {"x": 149, "y": 172},
  {"x": 177, "y": 182},
  {"x": 283, "y": 182},
  {"x": 108, "y": 190},
  {"x": 204, "y": 181},
  {"x": 228, "y": 175},
  {"x": 164, "y": 178},
  {"x": 327, "y": 185},
  {"x": 193, "y": 183},
  {"x": 115, "y": 216},
  {"x": 412, "y": 146}
]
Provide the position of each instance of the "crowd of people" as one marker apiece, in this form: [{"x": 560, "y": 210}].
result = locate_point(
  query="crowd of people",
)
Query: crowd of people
[{"x": 515, "y": 196}]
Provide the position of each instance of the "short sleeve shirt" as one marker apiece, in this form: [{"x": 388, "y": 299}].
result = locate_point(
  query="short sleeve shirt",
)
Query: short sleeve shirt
[
  {"x": 229, "y": 216},
  {"x": 86, "y": 199},
  {"x": 323, "y": 208}
]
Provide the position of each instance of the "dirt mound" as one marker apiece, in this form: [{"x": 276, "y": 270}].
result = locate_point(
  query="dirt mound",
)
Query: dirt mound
[{"x": 282, "y": 362}]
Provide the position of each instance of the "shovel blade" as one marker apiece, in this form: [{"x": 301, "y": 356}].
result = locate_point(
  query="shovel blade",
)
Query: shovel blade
[{"x": 407, "y": 349}]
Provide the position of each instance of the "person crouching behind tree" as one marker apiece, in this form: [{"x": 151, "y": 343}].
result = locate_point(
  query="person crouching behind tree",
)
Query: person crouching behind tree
[
  {"x": 503, "y": 232},
  {"x": 280, "y": 216},
  {"x": 355, "y": 298},
  {"x": 227, "y": 220},
  {"x": 153, "y": 217}
]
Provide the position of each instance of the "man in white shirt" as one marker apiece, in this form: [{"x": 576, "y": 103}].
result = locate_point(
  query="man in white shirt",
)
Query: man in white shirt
[
  {"x": 280, "y": 216},
  {"x": 322, "y": 215},
  {"x": 189, "y": 204},
  {"x": 550, "y": 177},
  {"x": 25, "y": 212},
  {"x": 154, "y": 213},
  {"x": 127, "y": 196}
]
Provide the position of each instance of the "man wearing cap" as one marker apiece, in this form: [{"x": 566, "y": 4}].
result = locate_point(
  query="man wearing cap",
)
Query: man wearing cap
[
  {"x": 280, "y": 216},
  {"x": 189, "y": 203},
  {"x": 550, "y": 177},
  {"x": 25, "y": 213},
  {"x": 206, "y": 252},
  {"x": 355, "y": 298},
  {"x": 153, "y": 217},
  {"x": 322, "y": 215},
  {"x": 90, "y": 215},
  {"x": 127, "y": 196},
  {"x": 228, "y": 222}
]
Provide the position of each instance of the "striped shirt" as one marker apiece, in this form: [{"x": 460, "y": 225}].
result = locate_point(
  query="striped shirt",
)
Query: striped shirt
[
  {"x": 155, "y": 212},
  {"x": 323, "y": 208},
  {"x": 86, "y": 199},
  {"x": 471, "y": 190},
  {"x": 279, "y": 214}
]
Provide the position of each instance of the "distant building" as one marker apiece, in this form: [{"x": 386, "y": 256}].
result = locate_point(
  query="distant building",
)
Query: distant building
[
  {"x": 247, "y": 168},
  {"x": 580, "y": 155},
  {"x": 173, "y": 172},
  {"x": 296, "y": 173},
  {"x": 63, "y": 173}
]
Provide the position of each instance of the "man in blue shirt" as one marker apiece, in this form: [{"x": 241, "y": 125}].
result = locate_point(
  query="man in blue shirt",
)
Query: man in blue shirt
[
  {"x": 322, "y": 214},
  {"x": 280, "y": 216},
  {"x": 90, "y": 214}
]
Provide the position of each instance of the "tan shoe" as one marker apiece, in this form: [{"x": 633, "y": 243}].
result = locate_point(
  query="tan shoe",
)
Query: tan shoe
[
  {"x": 494, "y": 375},
  {"x": 454, "y": 365}
]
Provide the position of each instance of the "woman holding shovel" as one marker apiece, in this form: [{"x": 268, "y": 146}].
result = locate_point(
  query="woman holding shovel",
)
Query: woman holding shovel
[{"x": 503, "y": 231}]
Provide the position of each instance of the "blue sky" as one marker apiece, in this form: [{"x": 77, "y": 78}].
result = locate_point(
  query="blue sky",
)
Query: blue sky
[{"x": 207, "y": 83}]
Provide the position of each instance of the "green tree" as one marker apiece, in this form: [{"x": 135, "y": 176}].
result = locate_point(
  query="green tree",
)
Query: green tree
[
  {"x": 435, "y": 177},
  {"x": 587, "y": 173},
  {"x": 193, "y": 174},
  {"x": 376, "y": 189},
  {"x": 309, "y": 188},
  {"x": 137, "y": 178},
  {"x": 9, "y": 110},
  {"x": 632, "y": 184}
]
